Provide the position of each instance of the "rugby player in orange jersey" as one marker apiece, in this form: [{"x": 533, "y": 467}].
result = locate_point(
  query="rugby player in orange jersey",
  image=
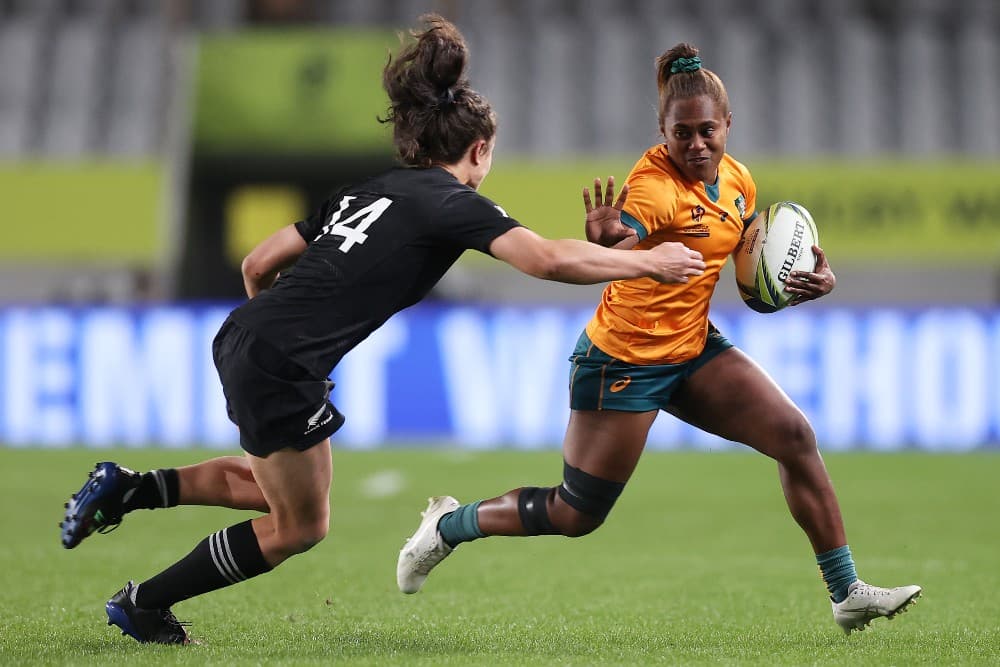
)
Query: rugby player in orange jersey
[{"x": 651, "y": 347}]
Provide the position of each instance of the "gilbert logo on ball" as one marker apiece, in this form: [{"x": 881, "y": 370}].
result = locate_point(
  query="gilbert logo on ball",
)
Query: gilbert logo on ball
[{"x": 778, "y": 241}]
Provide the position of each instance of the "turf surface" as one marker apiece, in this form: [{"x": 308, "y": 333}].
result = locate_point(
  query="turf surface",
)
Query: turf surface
[{"x": 698, "y": 564}]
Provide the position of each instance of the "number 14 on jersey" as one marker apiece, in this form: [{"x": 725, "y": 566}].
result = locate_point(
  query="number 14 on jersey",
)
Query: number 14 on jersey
[{"x": 363, "y": 218}]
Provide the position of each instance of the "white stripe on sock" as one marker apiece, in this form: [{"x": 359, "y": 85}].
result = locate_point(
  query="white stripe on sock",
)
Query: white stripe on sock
[
  {"x": 161, "y": 485},
  {"x": 229, "y": 552},
  {"x": 216, "y": 552}
]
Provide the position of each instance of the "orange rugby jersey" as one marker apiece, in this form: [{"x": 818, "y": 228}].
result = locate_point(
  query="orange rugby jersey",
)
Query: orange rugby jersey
[{"x": 642, "y": 321}]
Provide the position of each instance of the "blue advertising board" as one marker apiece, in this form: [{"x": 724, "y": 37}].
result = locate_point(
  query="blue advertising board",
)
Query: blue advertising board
[{"x": 492, "y": 376}]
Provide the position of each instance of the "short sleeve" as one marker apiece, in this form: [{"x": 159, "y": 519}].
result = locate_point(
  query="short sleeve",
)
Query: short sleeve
[
  {"x": 651, "y": 204},
  {"x": 473, "y": 222},
  {"x": 310, "y": 228}
]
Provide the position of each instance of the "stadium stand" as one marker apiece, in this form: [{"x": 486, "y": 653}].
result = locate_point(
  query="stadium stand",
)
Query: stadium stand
[
  {"x": 856, "y": 78},
  {"x": 66, "y": 65}
]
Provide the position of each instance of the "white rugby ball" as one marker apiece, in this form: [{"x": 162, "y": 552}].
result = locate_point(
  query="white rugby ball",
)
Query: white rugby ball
[{"x": 777, "y": 242}]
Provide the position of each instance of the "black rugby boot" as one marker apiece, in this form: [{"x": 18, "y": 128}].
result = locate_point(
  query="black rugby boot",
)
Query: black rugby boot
[{"x": 157, "y": 626}]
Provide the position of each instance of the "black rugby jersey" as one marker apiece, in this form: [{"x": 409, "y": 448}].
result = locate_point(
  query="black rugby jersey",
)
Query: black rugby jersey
[{"x": 374, "y": 249}]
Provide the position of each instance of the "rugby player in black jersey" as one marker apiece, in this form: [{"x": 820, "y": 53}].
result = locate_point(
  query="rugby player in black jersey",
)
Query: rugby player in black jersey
[{"x": 370, "y": 251}]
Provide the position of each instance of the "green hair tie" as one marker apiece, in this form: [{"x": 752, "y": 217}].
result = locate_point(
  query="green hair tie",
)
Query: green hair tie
[{"x": 685, "y": 65}]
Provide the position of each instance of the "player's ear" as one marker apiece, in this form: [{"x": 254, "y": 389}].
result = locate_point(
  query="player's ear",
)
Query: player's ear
[{"x": 478, "y": 151}]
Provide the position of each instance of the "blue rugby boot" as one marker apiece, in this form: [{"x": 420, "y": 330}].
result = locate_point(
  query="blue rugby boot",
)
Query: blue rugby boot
[
  {"x": 146, "y": 626},
  {"x": 99, "y": 505}
]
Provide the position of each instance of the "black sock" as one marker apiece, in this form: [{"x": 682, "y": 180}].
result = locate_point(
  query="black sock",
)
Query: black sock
[
  {"x": 157, "y": 488},
  {"x": 221, "y": 559}
]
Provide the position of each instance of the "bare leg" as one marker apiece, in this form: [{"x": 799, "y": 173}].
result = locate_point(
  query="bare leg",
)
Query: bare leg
[
  {"x": 731, "y": 396},
  {"x": 603, "y": 448},
  {"x": 296, "y": 488},
  {"x": 226, "y": 481},
  {"x": 605, "y": 444}
]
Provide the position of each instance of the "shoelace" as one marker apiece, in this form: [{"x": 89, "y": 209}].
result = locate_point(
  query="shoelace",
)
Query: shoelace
[
  {"x": 170, "y": 619},
  {"x": 868, "y": 589},
  {"x": 176, "y": 627}
]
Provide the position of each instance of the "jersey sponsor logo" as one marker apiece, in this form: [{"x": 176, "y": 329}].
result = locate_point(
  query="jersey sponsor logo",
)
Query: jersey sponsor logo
[
  {"x": 618, "y": 385},
  {"x": 696, "y": 230},
  {"x": 322, "y": 417},
  {"x": 697, "y": 213}
]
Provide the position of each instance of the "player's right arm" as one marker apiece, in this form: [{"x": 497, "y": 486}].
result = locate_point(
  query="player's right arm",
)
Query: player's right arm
[
  {"x": 278, "y": 251},
  {"x": 582, "y": 263}
]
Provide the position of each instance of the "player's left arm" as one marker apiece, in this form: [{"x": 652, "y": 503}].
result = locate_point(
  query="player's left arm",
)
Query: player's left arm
[
  {"x": 806, "y": 285},
  {"x": 278, "y": 251}
]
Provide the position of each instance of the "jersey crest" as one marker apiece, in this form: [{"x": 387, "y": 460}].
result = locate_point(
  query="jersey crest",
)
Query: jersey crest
[{"x": 741, "y": 205}]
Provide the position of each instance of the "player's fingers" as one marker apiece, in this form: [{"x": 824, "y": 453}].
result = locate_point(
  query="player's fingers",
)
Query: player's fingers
[
  {"x": 586, "y": 200},
  {"x": 806, "y": 284},
  {"x": 821, "y": 262},
  {"x": 609, "y": 193},
  {"x": 622, "y": 196},
  {"x": 598, "y": 196}
]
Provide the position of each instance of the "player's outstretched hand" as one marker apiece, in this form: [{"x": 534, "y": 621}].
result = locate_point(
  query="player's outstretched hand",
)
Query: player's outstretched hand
[
  {"x": 604, "y": 224},
  {"x": 806, "y": 285},
  {"x": 675, "y": 262}
]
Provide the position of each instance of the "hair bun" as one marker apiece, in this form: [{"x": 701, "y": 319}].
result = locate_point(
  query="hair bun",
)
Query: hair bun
[
  {"x": 679, "y": 65},
  {"x": 446, "y": 98}
]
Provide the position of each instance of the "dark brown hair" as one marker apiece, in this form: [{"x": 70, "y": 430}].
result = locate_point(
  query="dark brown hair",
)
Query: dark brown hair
[
  {"x": 679, "y": 75},
  {"x": 435, "y": 114}
]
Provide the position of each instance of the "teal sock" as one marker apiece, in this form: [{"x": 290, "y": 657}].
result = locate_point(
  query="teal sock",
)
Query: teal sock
[
  {"x": 837, "y": 568},
  {"x": 462, "y": 525}
]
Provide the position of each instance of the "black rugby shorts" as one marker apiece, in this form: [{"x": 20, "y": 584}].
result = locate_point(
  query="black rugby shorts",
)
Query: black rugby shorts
[{"x": 275, "y": 402}]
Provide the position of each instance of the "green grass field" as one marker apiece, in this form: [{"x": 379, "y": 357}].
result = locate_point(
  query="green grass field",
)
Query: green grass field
[{"x": 698, "y": 564}]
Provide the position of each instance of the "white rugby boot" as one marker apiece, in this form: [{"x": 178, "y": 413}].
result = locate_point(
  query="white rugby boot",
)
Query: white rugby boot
[
  {"x": 864, "y": 603},
  {"x": 425, "y": 548}
]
